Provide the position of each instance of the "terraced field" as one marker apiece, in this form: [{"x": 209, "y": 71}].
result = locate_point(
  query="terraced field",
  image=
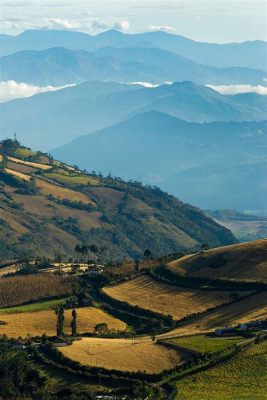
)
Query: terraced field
[
  {"x": 242, "y": 378},
  {"x": 39, "y": 322},
  {"x": 148, "y": 293},
  {"x": 123, "y": 355},
  {"x": 248, "y": 309},
  {"x": 71, "y": 179}
]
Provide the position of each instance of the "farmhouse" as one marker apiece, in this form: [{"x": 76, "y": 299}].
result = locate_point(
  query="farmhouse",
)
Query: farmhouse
[{"x": 225, "y": 331}]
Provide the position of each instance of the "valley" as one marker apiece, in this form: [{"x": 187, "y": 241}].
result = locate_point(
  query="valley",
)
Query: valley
[{"x": 133, "y": 218}]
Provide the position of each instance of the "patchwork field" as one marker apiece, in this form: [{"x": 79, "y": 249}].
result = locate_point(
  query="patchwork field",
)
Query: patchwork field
[
  {"x": 61, "y": 192},
  {"x": 243, "y": 262},
  {"x": 31, "y": 164},
  {"x": 39, "y": 322},
  {"x": 69, "y": 179},
  {"x": 121, "y": 354},
  {"x": 242, "y": 378},
  {"x": 148, "y": 293}
]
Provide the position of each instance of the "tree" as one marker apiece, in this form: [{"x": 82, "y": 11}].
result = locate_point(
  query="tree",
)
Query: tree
[
  {"x": 205, "y": 246},
  {"x": 74, "y": 323},
  {"x": 3, "y": 162},
  {"x": 60, "y": 320},
  {"x": 147, "y": 253},
  {"x": 94, "y": 250},
  {"x": 84, "y": 250},
  {"x": 136, "y": 265},
  {"x": 9, "y": 146},
  {"x": 101, "y": 328},
  {"x": 77, "y": 251}
]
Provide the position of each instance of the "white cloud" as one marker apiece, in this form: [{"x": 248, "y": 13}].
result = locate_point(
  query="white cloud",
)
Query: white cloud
[
  {"x": 144, "y": 84},
  {"x": 102, "y": 25},
  {"x": 85, "y": 24},
  {"x": 59, "y": 23},
  {"x": 162, "y": 28},
  {"x": 235, "y": 89},
  {"x": 14, "y": 90}
]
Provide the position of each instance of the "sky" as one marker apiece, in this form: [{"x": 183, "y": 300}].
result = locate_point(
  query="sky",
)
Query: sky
[{"x": 217, "y": 21}]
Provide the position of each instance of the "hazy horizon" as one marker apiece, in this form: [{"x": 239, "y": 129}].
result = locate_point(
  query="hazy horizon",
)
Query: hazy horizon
[{"x": 199, "y": 20}]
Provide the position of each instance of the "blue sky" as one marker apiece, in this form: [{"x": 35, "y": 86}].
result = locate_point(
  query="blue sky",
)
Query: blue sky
[{"x": 213, "y": 20}]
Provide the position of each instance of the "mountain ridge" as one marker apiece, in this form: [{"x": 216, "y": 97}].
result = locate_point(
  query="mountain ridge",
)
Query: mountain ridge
[
  {"x": 201, "y": 161},
  {"x": 47, "y": 205},
  {"x": 215, "y": 54},
  {"x": 62, "y": 115},
  {"x": 60, "y": 66}
]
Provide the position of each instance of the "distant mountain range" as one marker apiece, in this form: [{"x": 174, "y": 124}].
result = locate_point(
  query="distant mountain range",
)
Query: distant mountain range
[
  {"x": 61, "y": 66},
  {"x": 208, "y": 164},
  {"x": 209, "y": 149},
  {"x": 245, "y": 227},
  {"x": 52, "y": 119},
  {"x": 250, "y": 54}
]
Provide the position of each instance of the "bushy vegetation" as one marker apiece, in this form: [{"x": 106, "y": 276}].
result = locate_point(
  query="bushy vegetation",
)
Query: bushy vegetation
[{"x": 21, "y": 379}]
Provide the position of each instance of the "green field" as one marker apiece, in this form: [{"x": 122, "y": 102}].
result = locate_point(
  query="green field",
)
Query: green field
[
  {"x": 242, "y": 378},
  {"x": 203, "y": 343},
  {"x": 23, "y": 152},
  {"x": 71, "y": 179},
  {"x": 38, "y": 306}
]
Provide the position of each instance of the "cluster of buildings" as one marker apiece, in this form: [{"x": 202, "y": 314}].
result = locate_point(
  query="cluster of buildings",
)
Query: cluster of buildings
[{"x": 257, "y": 325}]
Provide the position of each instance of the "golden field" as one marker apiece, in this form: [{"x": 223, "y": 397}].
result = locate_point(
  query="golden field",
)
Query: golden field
[
  {"x": 252, "y": 308},
  {"x": 243, "y": 262},
  {"x": 148, "y": 293},
  {"x": 121, "y": 354},
  {"x": 39, "y": 322}
]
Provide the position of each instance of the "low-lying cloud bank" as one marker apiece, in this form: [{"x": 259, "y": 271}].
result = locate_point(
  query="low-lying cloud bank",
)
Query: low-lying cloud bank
[
  {"x": 235, "y": 89},
  {"x": 15, "y": 90}
]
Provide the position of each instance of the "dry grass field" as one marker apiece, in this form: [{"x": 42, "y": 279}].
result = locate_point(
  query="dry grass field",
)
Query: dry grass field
[
  {"x": 244, "y": 262},
  {"x": 23, "y": 289},
  {"x": 39, "y": 322},
  {"x": 61, "y": 192},
  {"x": 17, "y": 174},
  {"x": 121, "y": 354},
  {"x": 249, "y": 309},
  {"x": 31, "y": 164},
  {"x": 147, "y": 293}
]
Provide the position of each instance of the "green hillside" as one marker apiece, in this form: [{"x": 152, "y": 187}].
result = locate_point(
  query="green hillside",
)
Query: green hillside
[{"x": 47, "y": 207}]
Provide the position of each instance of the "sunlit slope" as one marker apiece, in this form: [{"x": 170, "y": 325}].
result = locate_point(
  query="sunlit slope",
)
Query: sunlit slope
[
  {"x": 242, "y": 262},
  {"x": 48, "y": 207}
]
